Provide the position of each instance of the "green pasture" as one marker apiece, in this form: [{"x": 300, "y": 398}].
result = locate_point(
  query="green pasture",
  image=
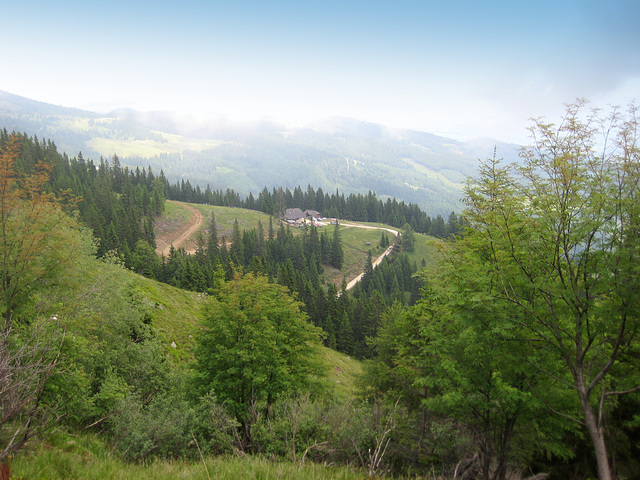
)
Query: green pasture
[{"x": 147, "y": 148}]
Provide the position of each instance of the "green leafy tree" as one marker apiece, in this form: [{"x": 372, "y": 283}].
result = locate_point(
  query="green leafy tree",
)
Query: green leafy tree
[
  {"x": 560, "y": 240},
  {"x": 256, "y": 345},
  {"x": 450, "y": 363},
  {"x": 492, "y": 389},
  {"x": 36, "y": 244}
]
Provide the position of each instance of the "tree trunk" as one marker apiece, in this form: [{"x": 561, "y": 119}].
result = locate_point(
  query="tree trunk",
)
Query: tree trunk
[
  {"x": 486, "y": 454},
  {"x": 597, "y": 436},
  {"x": 503, "y": 449}
]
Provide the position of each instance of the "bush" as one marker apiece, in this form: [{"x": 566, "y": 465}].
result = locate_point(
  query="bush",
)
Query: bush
[
  {"x": 170, "y": 426},
  {"x": 322, "y": 430}
]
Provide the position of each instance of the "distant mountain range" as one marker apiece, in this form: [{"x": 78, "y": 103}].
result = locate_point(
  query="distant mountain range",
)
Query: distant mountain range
[{"x": 338, "y": 153}]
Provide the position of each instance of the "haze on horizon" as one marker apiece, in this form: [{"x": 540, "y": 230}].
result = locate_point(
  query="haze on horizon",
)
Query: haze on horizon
[{"x": 462, "y": 69}]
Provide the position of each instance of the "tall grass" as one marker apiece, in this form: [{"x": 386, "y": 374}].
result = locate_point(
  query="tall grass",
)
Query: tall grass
[{"x": 85, "y": 456}]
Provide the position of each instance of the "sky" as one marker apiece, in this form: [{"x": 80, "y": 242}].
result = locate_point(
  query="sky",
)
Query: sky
[{"x": 459, "y": 68}]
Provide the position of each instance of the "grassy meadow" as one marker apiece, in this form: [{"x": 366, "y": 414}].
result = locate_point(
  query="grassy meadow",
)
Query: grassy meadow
[{"x": 148, "y": 148}]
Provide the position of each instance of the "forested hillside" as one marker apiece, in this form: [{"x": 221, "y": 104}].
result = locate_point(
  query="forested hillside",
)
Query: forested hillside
[{"x": 512, "y": 353}]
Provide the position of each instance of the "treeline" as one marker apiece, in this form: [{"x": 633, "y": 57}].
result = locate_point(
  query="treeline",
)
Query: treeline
[
  {"x": 118, "y": 204},
  {"x": 356, "y": 207}
]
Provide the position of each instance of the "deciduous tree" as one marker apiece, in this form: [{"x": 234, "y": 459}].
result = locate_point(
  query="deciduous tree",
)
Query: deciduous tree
[
  {"x": 38, "y": 241},
  {"x": 559, "y": 236},
  {"x": 256, "y": 345}
]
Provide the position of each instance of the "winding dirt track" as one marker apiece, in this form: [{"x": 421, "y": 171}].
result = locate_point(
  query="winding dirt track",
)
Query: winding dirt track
[
  {"x": 377, "y": 261},
  {"x": 182, "y": 235}
]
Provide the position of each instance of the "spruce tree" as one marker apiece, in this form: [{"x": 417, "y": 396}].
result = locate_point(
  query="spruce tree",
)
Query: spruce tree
[
  {"x": 236, "y": 251},
  {"x": 337, "y": 253}
]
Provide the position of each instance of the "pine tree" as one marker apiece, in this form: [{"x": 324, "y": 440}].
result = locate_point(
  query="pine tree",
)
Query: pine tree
[
  {"x": 337, "y": 253},
  {"x": 236, "y": 251},
  {"x": 260, "y": 240},
  {"x": 384, "y": 241},
  {"x": 271, "y": 234},
  {"x": 212, "y": 241}
]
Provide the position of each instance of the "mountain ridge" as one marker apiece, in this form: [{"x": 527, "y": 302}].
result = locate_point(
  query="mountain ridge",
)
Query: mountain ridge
[{"x": 338, "y": 153}]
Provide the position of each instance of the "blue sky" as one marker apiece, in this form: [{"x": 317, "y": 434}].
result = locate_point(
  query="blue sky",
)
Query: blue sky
[{"x": 464, "y": 69}]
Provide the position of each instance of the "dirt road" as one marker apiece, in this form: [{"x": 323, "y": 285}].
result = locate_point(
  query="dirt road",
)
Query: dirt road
[
  {"x": 179, "y": 237},
  {"x": 370, "y": 227},
  {"x": 377, "y": 261}
]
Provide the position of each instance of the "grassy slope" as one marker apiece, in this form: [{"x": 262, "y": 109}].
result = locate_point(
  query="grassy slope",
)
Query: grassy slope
[
  {"x": 226, "y": 216},
  {"x": 175, "y": 315},
  {"x": 425, "y": 248}
]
